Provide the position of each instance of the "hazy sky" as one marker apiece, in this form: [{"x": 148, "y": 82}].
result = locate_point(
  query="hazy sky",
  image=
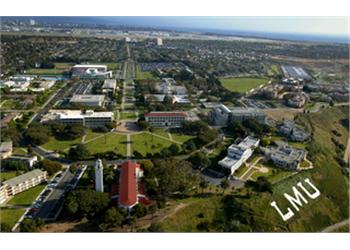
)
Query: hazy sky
[{"x": 302, "y": 25}]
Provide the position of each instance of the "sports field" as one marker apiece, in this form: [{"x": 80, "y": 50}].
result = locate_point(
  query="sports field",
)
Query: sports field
[{"x": 242, "y": 85}]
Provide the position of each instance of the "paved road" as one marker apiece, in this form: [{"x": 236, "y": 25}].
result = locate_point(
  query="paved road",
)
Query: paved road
[
  {"x": 334, "y": 227},
  {"x": 52, "y": 200}
]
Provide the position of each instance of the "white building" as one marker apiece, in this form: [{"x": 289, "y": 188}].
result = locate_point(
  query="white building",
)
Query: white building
[
  {"x": 166, "y": 119},
  {"x": 109, "y": 85},
  {"x": 98, "y": 176},
  {"x": 25, "y": 181},
  {"x": 91, "y": 71},
  {"x": 87, "y": 118},
  {"x": 238, "y": 154},
  {"x": 5, "y": 150},
  {"x": 159, "y": 41},
  {"x": 88, "y": 100}
]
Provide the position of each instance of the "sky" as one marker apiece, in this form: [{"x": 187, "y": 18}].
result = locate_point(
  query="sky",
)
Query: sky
[{"x": 334, "y": 26}]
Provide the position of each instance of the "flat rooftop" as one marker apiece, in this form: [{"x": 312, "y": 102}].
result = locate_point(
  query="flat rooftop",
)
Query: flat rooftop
[
  {"x": 87, "y": 98},
  {"x": 24, "y": 177}
]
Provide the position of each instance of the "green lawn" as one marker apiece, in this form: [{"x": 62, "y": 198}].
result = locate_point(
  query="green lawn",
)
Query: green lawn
[
  {"x": 180, "y": 137},
  {"x": 19, "y": 151},
  {"x": 146, "y": 143},
  {"x": 160, "y": 131},
  {"x": 27, "y": 197},
  {"x": 10, "y": 216},
  {"x": 7, "y": 175},
  {"x": 10, "y": 104},
  {"x": 92, "y": 135},
  {"x": 304, "y": 164},
  {"x": 127, "y": 116},
  {"x": 142, "y": 75},
  {"x": 53, "y": 71},
  {"x": 239, "y": 172},
  {"x": 57, "y": 145},
  {"x": 196, "y": 210},
  {"x": 109, "y": 142},
  {"x": 242, "y": 85}
]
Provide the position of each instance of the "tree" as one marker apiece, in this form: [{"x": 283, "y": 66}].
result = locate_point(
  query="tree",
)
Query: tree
[
  {"x": 30, "y": 225},
  {"x": 203, "y": 184},
  {"x": 113, "y": 217},
  {"x": 153, "y": 209},
  {"x": 224, "y": 184},
  {"x": 174, "y": 149},
  {"x": 74, "y": 168},
  {"x": 79, "y": 152},
  {"x": 155, "y": 227},
  {"x": 200, "y": 160},
  {"x": 139, "y": 210},
  {"x": 50, "y": 166},
  {"x": 86, "y": 203}
]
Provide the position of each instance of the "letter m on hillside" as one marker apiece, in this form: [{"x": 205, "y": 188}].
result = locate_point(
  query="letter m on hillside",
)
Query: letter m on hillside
[{"x": 296, "y": 201}]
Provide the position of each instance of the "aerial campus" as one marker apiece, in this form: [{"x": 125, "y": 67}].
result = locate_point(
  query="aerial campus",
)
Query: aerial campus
[{"x": 110, "y": 129}]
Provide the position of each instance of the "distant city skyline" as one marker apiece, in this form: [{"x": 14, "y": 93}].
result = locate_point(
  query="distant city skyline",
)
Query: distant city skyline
[{"x": 333, "y": 26}]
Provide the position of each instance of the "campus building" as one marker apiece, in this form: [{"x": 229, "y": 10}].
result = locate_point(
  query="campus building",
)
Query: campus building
[
  {"x": 109, "y": 85},
  {"x": 289, "y": 129},
  {"x": 221, "y": 115},
  {"x": 23, "y": 182},
  {"x": 3, "y": 193},
  {"x": 87, "y": 118},
  {"x": 99, "y": 176},
  {"x": 88, "y": 100},
  {"x": 5, "y": 150},
  {"x": 28, "y": 160},
  {"x": 130, "y": 174},
  {"x": 91, "y": 71},
  {"x": 166, "y": 119},
  {"x": 284, "y": 156},
  {"x": 238, "y": 154}
]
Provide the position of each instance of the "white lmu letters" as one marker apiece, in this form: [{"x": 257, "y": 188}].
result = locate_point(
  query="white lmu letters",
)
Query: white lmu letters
[{"x": 297, "y": 200}]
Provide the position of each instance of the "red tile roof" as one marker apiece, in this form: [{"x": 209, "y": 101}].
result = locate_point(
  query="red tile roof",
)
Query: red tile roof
[
  {"x": 128, "y": 184},
  {"x": 166, "y": 114}
]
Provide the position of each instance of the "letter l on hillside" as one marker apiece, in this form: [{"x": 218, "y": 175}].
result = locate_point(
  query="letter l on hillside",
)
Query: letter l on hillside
[{"x": 285, "y": 216}]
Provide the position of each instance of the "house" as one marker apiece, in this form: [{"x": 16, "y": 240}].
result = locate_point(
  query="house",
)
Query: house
[
  {"x": 284, "y": 156},
  {"x": 5, "y": 150},
  {"x": 88, "y": 118},
  {"x": 166, "y": 119},
  {"x": 238, "y": 154},
  {"x": 130, "y": 174}
]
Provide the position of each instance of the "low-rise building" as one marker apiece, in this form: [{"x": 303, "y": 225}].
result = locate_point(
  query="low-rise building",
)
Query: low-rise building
[
  {"x": 5, "y": 150},
  {"x": 130, "y": 174},
  {"x": 88, "y": 100},
  {"x": 284, "y": 156},
  {"x": 91, "y": 71},
  {"x": 289, "y": 129},
  {"x": 25, "y": 181},
  {"x": 3, "y": 193},
  {"x": 166, "y": 119},
  {"x": 87, "y": 118},
  {"x": 4, "y": 122},
  {"x": 109, "y": 85},
  {"x": 238, "y": 154},
  {"x": 221, "y": 115},
  {"x": 29, "y": 160}
]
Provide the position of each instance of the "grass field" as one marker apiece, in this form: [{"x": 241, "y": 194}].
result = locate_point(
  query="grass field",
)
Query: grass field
[
  {"x": 10, "y": 216},
  {"x": 109, "y": 142},
  {"x": 92, "y": 135},
  {"x": 242, "y": 85},
  {"x": 195, "y": 210},
  {"x": 333, "y": 203},
  {"x": 142, "y": 75},
  {"x": 10, "y": 104},
  {"x": 7, "y": 175},
  {"x": 58, "y": 145},
  {"x": 27, "y": 197},
  {"x": 127, "y": 116},
  {"x": 239, "y": 172},
  {"x": 146, "y": 143},
  {"x": 19, "y": 151},
  {"x": 181, "y": 138},
  {"x": 53, "y": 71}
]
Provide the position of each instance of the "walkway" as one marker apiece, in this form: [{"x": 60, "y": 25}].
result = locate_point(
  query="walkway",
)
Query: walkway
[{"x": 336, "y": 226}]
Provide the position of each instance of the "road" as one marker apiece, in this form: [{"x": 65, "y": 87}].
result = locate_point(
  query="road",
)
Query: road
[
  {"x": 334, "y": 227},
  {"x": 49, "y": 206}
]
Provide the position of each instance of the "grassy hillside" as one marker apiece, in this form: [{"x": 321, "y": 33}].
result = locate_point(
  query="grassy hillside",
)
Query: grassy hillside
[{"x": 257, "y": 214}]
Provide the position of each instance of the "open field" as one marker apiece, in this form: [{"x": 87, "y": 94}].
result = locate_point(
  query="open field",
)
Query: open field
[
  {"x": 181, "y": 138},
  {"x": 108, "y": 142},
  {"x": 194, "y": 211},
  {"x": 242, "y": 85},
  {"x": 10, "y": 104},
  {"x": 19, "y": 151},
  {"x": 92, "y": 135},
  {"x": 146, "y": 143},
  {"x": 10, "y": 216},
  {"x": 27, "y": 197},
  {"x": 58, "y": 145},
  {"x": 280, "y": 114}
]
